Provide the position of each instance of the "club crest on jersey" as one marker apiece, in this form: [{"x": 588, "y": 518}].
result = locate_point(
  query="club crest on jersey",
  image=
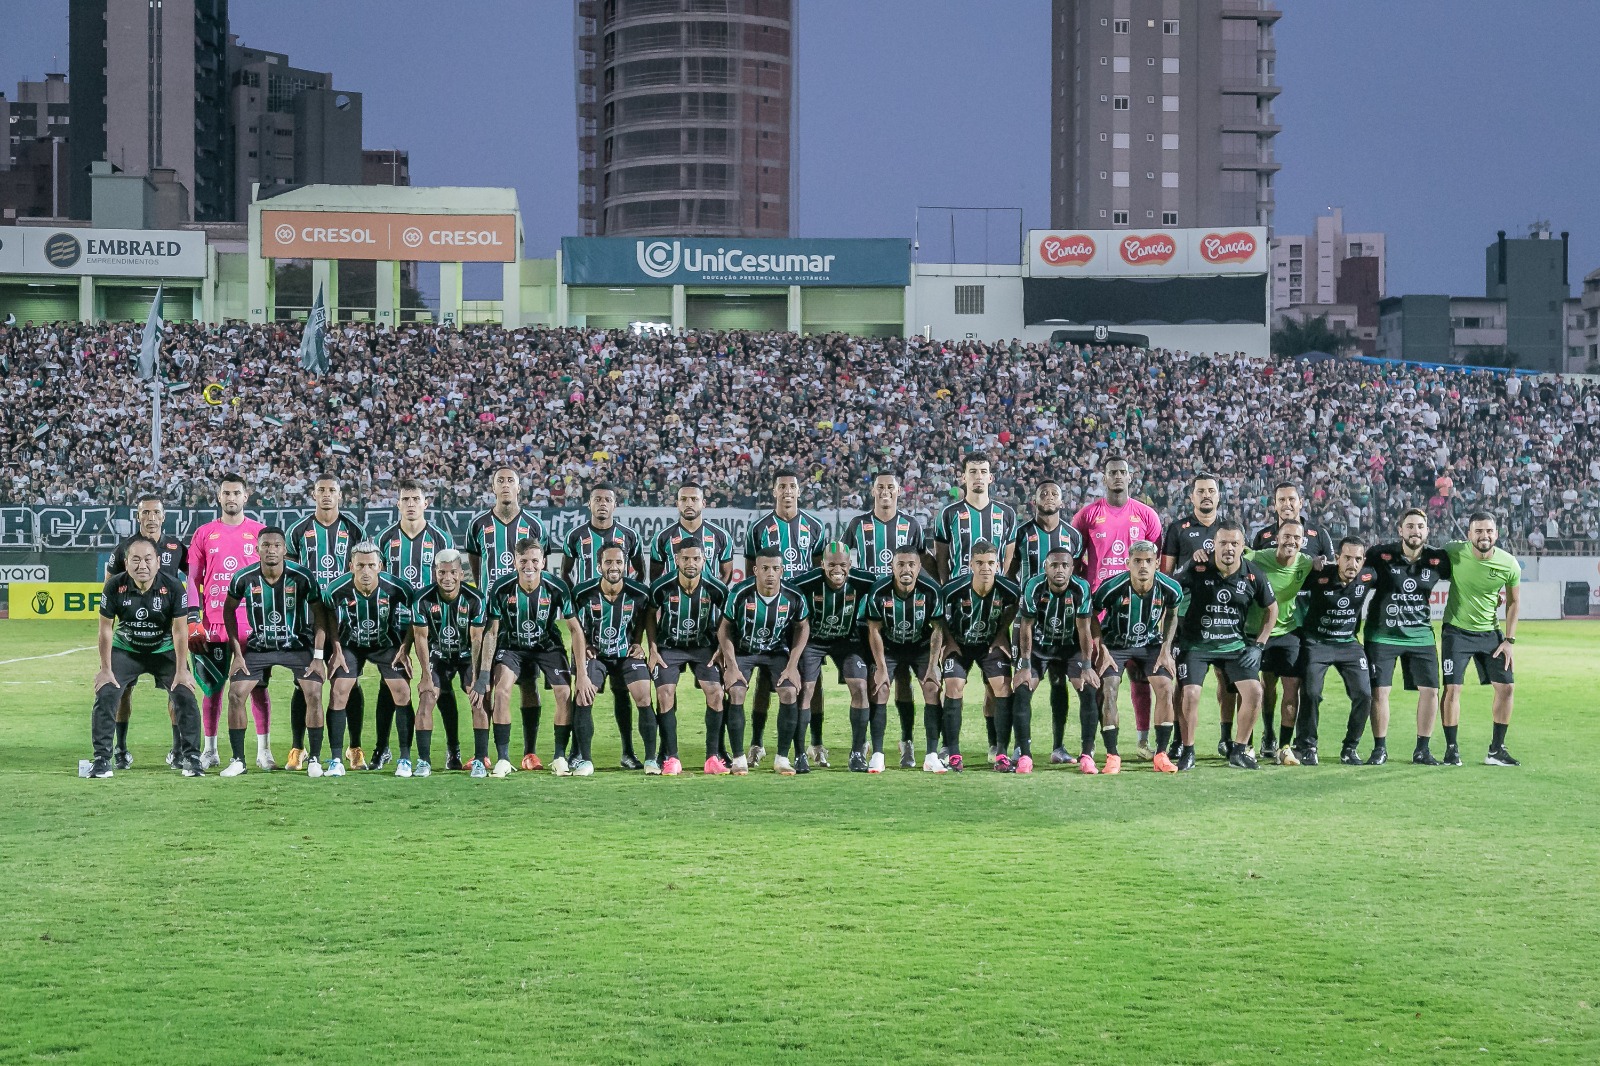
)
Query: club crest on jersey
[{"x": 1242, "y": 588}]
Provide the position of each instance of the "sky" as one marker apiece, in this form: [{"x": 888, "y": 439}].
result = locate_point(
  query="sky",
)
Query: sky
[{"x": 1437, "y": 122}]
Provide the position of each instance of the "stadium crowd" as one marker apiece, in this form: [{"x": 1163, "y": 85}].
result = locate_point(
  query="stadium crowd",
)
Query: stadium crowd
[{"x": 447, "y": 404}]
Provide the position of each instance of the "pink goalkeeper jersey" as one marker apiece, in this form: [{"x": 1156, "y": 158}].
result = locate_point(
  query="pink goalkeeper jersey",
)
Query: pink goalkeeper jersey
[
  {"x": 216, "y": 553},
  {"x": 1108, "y": 532}
]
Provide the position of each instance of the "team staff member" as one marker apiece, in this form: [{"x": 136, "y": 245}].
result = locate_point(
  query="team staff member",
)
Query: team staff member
[
  {"x": 1400, "y": 628},
  {"x": 372, "y": 613},
  {"x": 716, "y": 544},
  {"x": 523, "y": 639},
  {"x": 1286, "y": 568},
  {"x": 1479, "y": 573},
  {"x": 1134, "y": 621},
  {"x": 609, "y": 645},
  {"x": 834, "y": 592},
  {"x": 447, "y": 620},
  {"x": 765, "y": 627},
  {"x": 1334, "y": 600},
  {"x": 901, "y": 613},
  {"x": 144, "y": 629},
  {"x": 685, "y": 605},
  {"x": 1212, "y": 633},
  {"x": 1053, "y": 640},
  {"x": 1288, "y": 505}
]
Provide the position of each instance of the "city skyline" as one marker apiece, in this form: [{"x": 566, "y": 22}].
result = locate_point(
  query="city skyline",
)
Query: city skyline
[{"x": 1430, "y": 146}]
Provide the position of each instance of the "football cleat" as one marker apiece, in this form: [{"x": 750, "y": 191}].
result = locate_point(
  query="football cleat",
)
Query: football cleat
[
  {"x": 782, "y": 767},
  {"x": 1162, "y": 764},
  {"x": 1086, "y": 764},
  {"x": 424, "y": 769},
  {"x": 560, "y": 767},
  {"x": 234, "y": 768},
  {"x": 296, "y": 760},
  {"x": 209, "y": 758},
  {"x": 265, "y": 761},
  {"x": 1424, "y": 757},
  {"x": 1025, "y": 764},
  {"x": 715, "y": 767},
  {"x": 1113, "y": 765},
  {"x": 1499, "y": 757},
  {"x": 908, "y": 755},
  {"x": 172, "y": 760},
  {"x": 994, "y": 753},
  {"x": 479, "y": 769},
  {"x": 1003, "y": 764},
  {"x": 955, "y": 763},
  {"x": 932, "y": 764},
  {"x": 335, "y": 768},
  {"x": 1307, "y": 756},
  {"x": 754, "y": 754},
  {"x": 1283, "y": 757},
  {"x": 1174, "y": 749},
  {"x": 531, "y": 761},
  {"x": 802, "y": 765},
  {"x": 583, "y": 768},
  {"x": 672, "y": 767},
  {"x": 652, "y": 768},
  {"x": 858, "y": 762},
  {"x": 1269, "y": 747},
  {"x": 124, "y": 760},
  {"x": 502, "y": 768},
  {"x": 313, "y": 766},
  {"x": 630, "y": 761},
  {"x": 1058, "y": 755},
  {"x": 402, "y": 768},
  {"x": 356, "y": 758},
  {"x": 380, "y": 759},
  {"x": 817, "y": 753},
  {"x": 192, "y": 769},
  {"x": 1222, "y": 747},
  {"x": 1378, "y": 757},
  {"x": 1243, "y": 760},
  {"x": 452, "y": 760},
  {"x": 101, "y": 768},
  {"x": 1349, "y": 755},
  {"x": 1185, "y": 760},
  {"x": 1452, "y": 755},
  {"x": 875, "y": 764},
  {"x": 740, "y": 767},
  {"x": 1145, "y": 752}
]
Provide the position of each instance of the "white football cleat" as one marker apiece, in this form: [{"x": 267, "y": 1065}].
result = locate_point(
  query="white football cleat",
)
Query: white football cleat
[
  {"x": 402, "y": 768},
  {"x": 583, "y": 768},
  {"x": 875, "y": 764},
  {"x": 782, "y": 767},
  {"x": 933, "y": 765},
  {"x": 313, "y": 766},
  {"x": 209, "y": 758},
  {"x": 502, "y": 768},
  {"x": 265, "y": 761},
  {"x": 560, "y": 767},
  {"x": 335, "y": 768},
  {"x": 424, "y": 768},
  {"x": 234, "y": 768}
]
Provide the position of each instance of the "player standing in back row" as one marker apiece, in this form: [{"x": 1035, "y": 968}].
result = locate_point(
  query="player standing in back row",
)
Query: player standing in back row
[{"x": 410, "y": 547}]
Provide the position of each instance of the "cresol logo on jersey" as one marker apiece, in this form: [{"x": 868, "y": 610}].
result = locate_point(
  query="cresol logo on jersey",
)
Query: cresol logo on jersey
[{"x": 681, "y": 260}]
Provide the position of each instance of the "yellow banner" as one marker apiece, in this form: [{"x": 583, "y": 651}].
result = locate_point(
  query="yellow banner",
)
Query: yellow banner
[{"x": 55, "y": 599}]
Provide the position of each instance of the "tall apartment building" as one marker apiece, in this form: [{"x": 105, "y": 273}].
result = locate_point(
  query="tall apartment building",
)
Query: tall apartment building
[
  {"x": 39, "y": 109},
  {"x": 1161, "y": 113},
  {"x": 291, "y": 126},
  {"x": 149, "y": 90},
  {"x": 685, "y": 116},
  {"x": 1306, "y": 267}
]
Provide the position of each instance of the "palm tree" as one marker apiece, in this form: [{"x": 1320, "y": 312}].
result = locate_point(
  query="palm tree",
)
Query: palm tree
[{"x": 1296, "y": 337}]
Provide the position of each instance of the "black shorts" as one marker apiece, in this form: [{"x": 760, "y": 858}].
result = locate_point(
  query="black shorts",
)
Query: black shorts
[
  {"x": 673, "y": 661},
  {"x": 773, "y": 662},
  {"x": 258, "y": 665},
  {"x": 449, "y": 668},
  {"x": 1419, "y": 664},
  {"x": 624, "y": 671},
  {"x": 526, "y": 664},
  {"x": 1462, "y": 646},
  {"x": 958, "y": 664},
  {"x": 354, "y": 660},
  {"x": 1062, "y": 668},
  {"x": 1348, "y": 658},
  {"x": 1194, "y": 662},
  {"x": 1138, "y": 663},
  {"x": 846, "y": 655},
  {"x": 910, "y": 658},
  {"x": 128, "y": 666},
  {"x": 1284, "y": 656}
]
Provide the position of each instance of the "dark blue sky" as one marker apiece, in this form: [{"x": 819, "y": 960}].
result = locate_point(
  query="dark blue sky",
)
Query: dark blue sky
[{"x": 1436, "y": 121}]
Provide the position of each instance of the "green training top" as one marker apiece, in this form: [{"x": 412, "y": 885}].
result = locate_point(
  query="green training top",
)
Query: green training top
[
  {"x": 1475, "y": 585},
  {"x": 1286, "y": 582}
]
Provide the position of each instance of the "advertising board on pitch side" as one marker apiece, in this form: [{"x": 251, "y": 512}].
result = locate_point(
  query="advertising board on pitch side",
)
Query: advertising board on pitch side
[{"x": 1146, "y": 253}]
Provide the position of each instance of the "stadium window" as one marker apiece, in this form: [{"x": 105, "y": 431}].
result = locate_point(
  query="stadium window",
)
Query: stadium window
[
  {"x": 1119, "y": 179},
  {"x": 1104, "y": 61},
  {"x": 1149, "y": 214},
  {"x": 1169, "y": 179},
  {"x": 1150, "y": 175},
  {"x": 1150, "y": 137},
  {"x": 969, "y": 299},
  {"x": 1102, "y": 175},
  {"x": 1120, "y": 65},
  {"x": 1169, "y": 142},
  {"x": 1102, "y": 214},
  {"x": 1150, "y": 62},
  {"x": 1118, "y": 103},
  {"x": 1102, "y": 22},
  {"x": 1102, "y": 136},
  {"x": 1119, "y": 26},
  {"x": 1149, "y": 99},
  {"x": 1169, "y": 218},
  {"x": 1119, "y": 218},
  {"x": 1170, "y": 27},
  {"x": 1102, "y": 98},
  {"x": 1169, "y": 103},
  {"x": 1118, "y": 140}
]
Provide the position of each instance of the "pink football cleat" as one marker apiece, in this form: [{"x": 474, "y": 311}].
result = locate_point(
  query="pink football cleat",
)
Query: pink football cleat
[
  {"x": 1025, "y": 764},
  {"x": 1086, "y": 764},
  {"x": 715, "y": 766},
  {"x": 1113, "y": 764},
  {"x": 672, "y": 767}
]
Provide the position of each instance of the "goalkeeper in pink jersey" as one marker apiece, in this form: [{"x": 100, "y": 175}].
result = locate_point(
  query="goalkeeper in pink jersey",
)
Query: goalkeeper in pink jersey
[
  {"x": 1109, "y": 527},
  {"x": 218, "y": 550}
]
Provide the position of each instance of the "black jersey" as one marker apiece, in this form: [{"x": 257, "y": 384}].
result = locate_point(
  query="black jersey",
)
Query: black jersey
[
  {"x": 961, "y": 525},
  {"x": 1034, "y": 543},
  {"x": 798, "y": 539},
  {"x": 687, "y": 618},
  {"x": 1400, "y": 612},
  {"x": 904, "y": 620},
  {"x": 1130, "y": 618},
  {"x": 874, "y": 540},
  {"x": 376, "y": 619},
  {"x": 530, "y": 621},
  {"x": 144, "y": 619},
  {"x": 716, "y": 544},
  {"x": 611, "y": 625},
  {"x": 409, "y": 559},
  {"x": 763, "y": 625},
  {"x": 1331, "y": 610},
  {"x": 1219, "y": 605},
  {"x": 835, "y": 612},
  {"x": 584, "y": 544},
  {"x": 494, "y": 543},
  {"x": 281, "y": 613},
  {"x": 449, "y": 623},
  {"x": 972, "y": 618},
  {"x": 323, "y": 550},
  {"x": 171, "y": 554},
  {"x": 1187, "y": 535},
  {"x": 1054, "y": 613},
  {"x": 1317, "y": 542}
]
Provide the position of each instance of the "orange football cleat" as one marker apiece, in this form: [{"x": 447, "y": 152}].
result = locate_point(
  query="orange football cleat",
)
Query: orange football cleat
[
  {"x": 1162, "y": 764},
  {"x": 531, "y": 761},
  {"x": 296, "y": 760},
  {"x": 355, "y": 758}
]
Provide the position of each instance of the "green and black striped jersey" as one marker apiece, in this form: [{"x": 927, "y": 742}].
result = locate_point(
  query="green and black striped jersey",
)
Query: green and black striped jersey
[
  {"x": 611, "y": 624},
  {"x": 449, "y": 623},
  {"x": 408, "y": 559},
  {"x": 494, "y": 543},
  {"x": 1054, "y": 613},
  {"x": 530, "y": 621},
  {"x": 961, "y": 525},
  {"x": 1133, "y": 619},
  {"x": 583, "y": 547},
  {"x": 1035, "y": 542},
  {"x": 376, "y": 619},
  {"x": 972, "y": 618},
  {"x": 280, "y": 613},
  {"x": 904, "y": 620},
  {"x": 687, "y": 618},
  {"x": 716, "y": 544},
  {"x": 874, "y": 540},
  {"x": 835, "y": 612},
  {"x": 798, "y": 539},
  {"x": 761, "y": 625},
  {"x": 323, "y": 550}
]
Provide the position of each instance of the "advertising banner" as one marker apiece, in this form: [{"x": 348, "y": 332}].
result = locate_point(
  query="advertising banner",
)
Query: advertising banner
[
  {"x": 14, "y": 573},
  {"x": 1146, "y": 253},
  {"x": 382, "y": 235},
  {"x": 735, "y": 261},
  {"x": 55, "y": 599},
  {"x": 153, "y": 253}
]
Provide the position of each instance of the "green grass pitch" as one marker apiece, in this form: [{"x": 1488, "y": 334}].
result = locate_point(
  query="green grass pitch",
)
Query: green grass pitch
[{"x": 1327, "y": 915}]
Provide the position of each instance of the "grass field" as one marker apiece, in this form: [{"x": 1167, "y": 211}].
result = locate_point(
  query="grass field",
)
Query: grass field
[{"x": 1393, "y": 914}]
